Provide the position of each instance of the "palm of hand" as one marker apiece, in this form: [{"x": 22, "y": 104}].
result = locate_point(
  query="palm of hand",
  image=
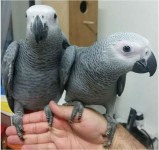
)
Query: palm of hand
[{"x": 88, "y": 133}]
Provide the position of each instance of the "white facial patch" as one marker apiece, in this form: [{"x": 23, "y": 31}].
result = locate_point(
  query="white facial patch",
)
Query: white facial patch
[
  {"x": 46, "y": 14},
  {"x": 137, "y": 49}
]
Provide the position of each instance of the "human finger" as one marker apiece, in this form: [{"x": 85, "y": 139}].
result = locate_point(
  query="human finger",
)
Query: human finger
[
  {"x": 30, "y": 139},
  {"x": 63, "y": 112},
  {"x": 33, "y": 128},
  {"x": 47, "y": 146},
  {"x": 34, "y": 117}
]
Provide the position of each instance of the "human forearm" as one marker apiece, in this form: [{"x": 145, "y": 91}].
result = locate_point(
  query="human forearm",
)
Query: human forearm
[{"x": 124, "y": 140}]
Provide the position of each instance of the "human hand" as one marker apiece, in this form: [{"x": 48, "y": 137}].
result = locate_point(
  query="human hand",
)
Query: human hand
[{"x": 86, "y": 134}]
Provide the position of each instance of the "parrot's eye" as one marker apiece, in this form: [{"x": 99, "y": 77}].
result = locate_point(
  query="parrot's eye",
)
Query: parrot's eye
[
  {"x": 26, "y": 15},
  {"x": 126, "y": 49},
  {"x": 55, "y": 16}
]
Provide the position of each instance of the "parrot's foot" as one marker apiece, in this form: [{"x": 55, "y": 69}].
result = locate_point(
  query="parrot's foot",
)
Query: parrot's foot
[
  {"x": 111, "y": 127},
  {"x": 77, "y": 109},
  {"x": 49, "y": 115},
  {"x": 17, "y": 121}
]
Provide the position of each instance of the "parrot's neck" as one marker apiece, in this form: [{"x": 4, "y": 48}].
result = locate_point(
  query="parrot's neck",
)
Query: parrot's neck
[
  {"x": 101, "y": 65},
  {"x": 54, "y": 39},
  {"x": 40, "y": 56}
]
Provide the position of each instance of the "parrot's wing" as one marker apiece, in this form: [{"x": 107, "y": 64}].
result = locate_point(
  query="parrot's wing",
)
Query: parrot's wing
[
  {"x": 67, "y": 62},
  {"x": 8, "y": 62},
  {"x": 121, "y": 84},
  {"x": 65, "y": 42}
]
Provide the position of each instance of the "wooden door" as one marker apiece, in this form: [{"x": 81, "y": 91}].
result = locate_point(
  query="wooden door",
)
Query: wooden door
[{"x": 83, "y": 22}]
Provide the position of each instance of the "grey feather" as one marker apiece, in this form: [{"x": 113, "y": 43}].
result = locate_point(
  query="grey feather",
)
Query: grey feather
[
  {"x": 65, "y": 42},
  {"x": 66, "y": 66},
  {"x": 8, "y": 62},
  {"x": 121, "y": 84}
]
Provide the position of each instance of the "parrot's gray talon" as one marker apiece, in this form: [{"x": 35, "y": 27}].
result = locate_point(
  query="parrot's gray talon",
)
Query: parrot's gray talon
[
  {"x": 65, "y": 104},
  {"x": 77, "y": 109},
  {"x": 106, "y": 145},
  {"x": 111, "y": 123},
  {"x": 49, "y": 115},
  {"x": 68, "y": 104},
  {"x": 50, "y": 124},
  {"x": 17, "y": 122},
  {"x": 79, "y": 117},
  {"x": 20, "y": 136},
  {"x": 70, "y": 121},
  {"x": 21, "y": 129}
]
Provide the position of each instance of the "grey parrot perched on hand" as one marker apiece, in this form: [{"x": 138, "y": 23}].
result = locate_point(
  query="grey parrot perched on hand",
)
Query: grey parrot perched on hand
[
  {"x": 30, "y": 67},
  {"x": 95, "y": 75}
]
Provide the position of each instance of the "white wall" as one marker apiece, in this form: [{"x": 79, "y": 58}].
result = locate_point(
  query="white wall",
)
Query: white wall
[
  {"x": 18, "y": 18},
  {"x": 141, "y": 91}
]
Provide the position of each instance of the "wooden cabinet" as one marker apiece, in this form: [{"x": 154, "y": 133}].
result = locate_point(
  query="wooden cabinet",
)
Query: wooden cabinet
[
  {"x": 83, "y": 22},
  {"x": 78, "y": 20}
]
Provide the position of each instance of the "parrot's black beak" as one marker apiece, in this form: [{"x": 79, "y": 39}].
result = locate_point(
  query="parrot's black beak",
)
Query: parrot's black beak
[
  {"x": 39, "y": 30},
  {"x": 144, "y": 66}
]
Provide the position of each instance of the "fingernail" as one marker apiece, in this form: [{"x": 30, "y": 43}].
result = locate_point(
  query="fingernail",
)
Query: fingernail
[{"x": 52, "y": 102}]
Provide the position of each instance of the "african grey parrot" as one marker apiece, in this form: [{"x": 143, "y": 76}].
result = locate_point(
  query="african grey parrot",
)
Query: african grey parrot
[
  {"x": 30, "y": 67},
  {"x": 95, "y": 75}
]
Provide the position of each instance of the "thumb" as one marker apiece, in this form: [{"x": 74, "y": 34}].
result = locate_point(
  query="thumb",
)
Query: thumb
[{"x": 63, "y": 112}]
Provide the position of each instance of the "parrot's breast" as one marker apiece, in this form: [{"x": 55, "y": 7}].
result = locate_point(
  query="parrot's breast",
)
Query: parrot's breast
[
  {"x": 36, "y": 80},
  {"x": 90, "y": 89}
]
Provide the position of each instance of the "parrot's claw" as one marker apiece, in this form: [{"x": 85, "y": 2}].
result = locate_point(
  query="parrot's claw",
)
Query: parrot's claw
[
  {"x": 49, "y": 115},
  {"x": 111, "y": 123},
  {"x": 18, "y": 123},
  {"x": 68, "y": 104},
  {"x": 77, "y": 109}
]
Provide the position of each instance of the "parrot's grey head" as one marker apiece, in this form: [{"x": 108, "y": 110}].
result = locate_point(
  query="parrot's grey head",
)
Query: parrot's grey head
[
  {"x": 41, "y": 20},
  {"x": 132, "y": 52}
]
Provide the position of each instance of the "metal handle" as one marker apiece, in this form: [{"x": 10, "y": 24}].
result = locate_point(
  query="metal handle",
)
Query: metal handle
[{"x": 88, "y": 22}]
